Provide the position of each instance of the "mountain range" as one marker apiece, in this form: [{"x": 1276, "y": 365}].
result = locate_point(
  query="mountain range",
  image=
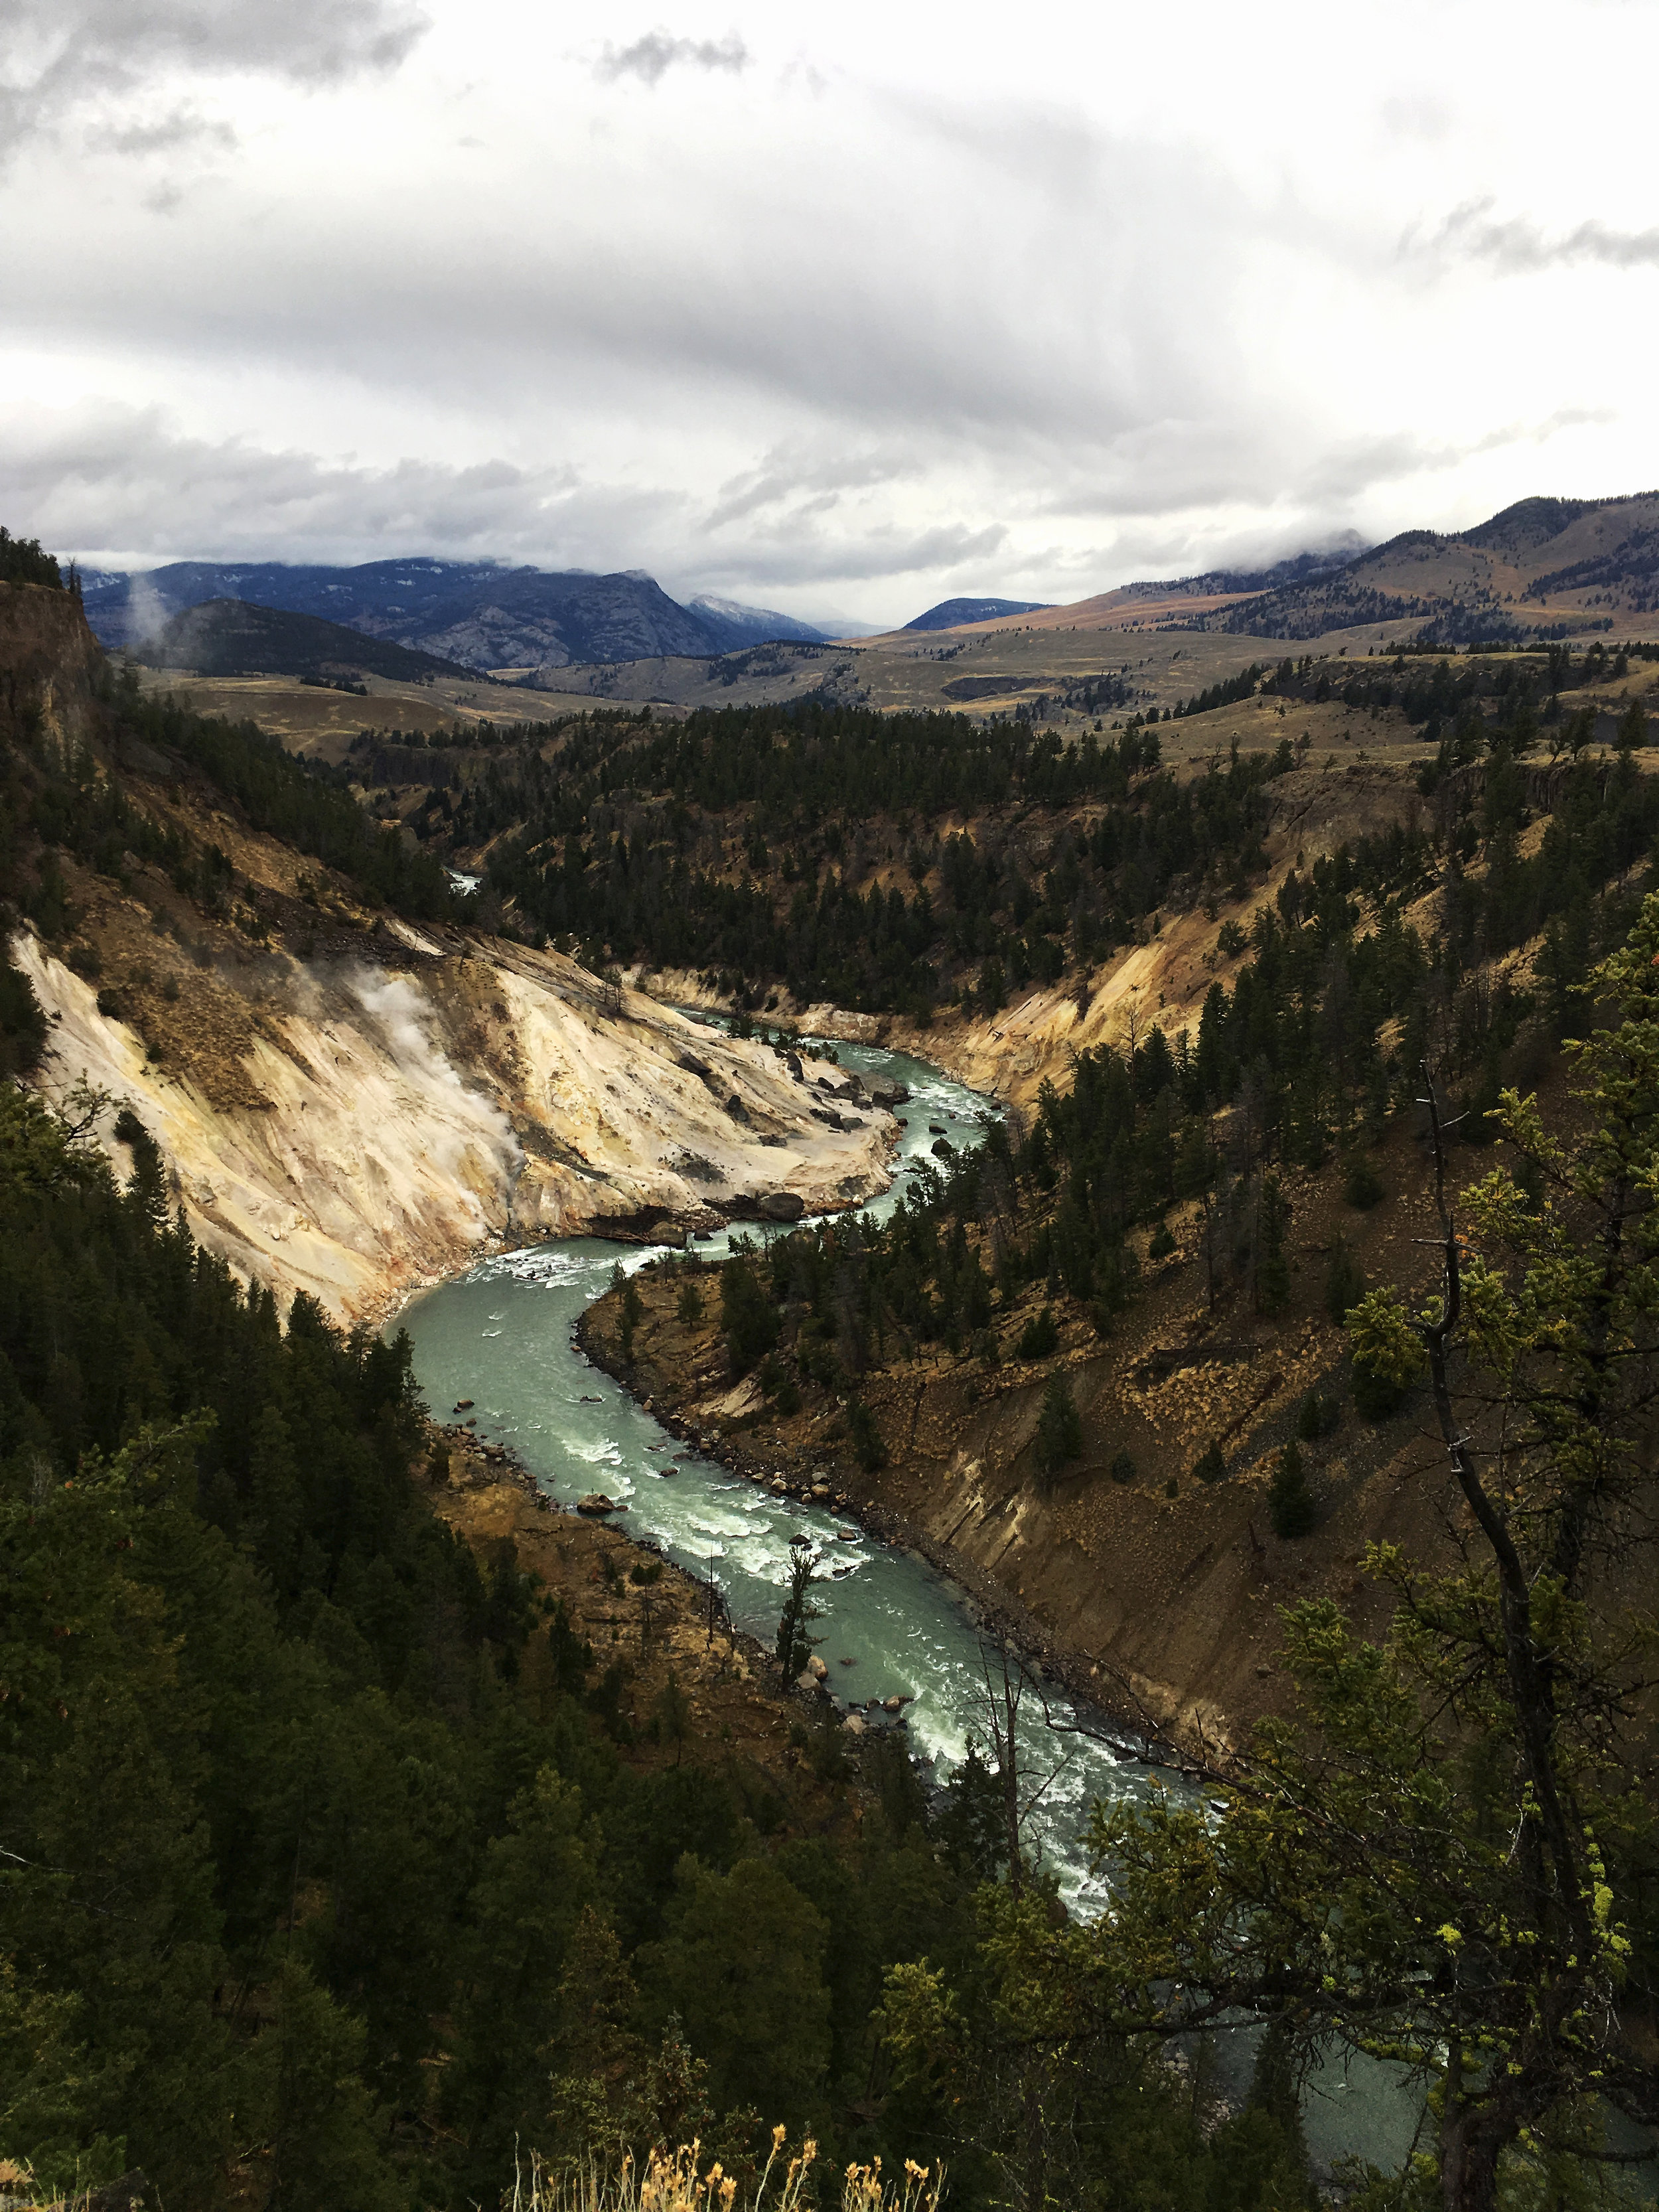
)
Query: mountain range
[
  {"x": 480, "y": 614},
  {"x": 1541, "y": 568}
]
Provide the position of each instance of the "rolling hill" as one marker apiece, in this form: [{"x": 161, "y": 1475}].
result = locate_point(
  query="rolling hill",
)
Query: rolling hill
[
  {"x": 232, "y": 637},
  {"x": 950, "y": 614},
  {"x": 1540, "y": 568}
]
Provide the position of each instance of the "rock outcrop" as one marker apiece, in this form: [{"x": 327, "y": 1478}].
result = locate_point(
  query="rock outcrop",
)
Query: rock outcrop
[{"x": 402, "y": 1111}]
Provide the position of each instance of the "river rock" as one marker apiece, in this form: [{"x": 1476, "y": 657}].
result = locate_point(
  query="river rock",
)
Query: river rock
[
  {"x": 853, "y": 1724},
  {"x": 816, "y": 1670},
  {"x": 596, "y": 1503},
  {"x": 781, "y": 1206}
]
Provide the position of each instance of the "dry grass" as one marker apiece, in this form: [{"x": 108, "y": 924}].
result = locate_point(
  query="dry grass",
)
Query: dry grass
[{"x": 671, "y": 2182}]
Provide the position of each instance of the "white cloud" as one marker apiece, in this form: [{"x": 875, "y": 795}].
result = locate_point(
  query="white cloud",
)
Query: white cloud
[{"x": 855, "y": 320}]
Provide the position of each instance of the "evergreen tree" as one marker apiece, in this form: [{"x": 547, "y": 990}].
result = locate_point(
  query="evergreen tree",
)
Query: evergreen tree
[
  {"x": 794, "y": 1647},
  {"x": 1289, "y": 1501},
  {"x": 865, "y": 1436},
  {"x": 1273, "y": 1274},
  {"x": 1440, "y": 1863},
  {"x": 1209, "y": 1466},
  {"x": 1059, "y": 1428},
  {"x": 1344, "y": 1283}
]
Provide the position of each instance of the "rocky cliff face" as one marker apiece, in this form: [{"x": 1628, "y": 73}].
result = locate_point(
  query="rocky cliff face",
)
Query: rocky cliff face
[
  {"x": 349, "y": 1105},
  {"x": 399, "y": 1113}
]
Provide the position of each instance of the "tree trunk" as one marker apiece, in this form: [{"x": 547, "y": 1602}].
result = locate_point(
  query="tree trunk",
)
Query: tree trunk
[{"x": 1468, "y": 2159}]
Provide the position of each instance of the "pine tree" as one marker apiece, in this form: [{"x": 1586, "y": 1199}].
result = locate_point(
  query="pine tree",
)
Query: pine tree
[
  {"x": 1289, "y": 1501},
  {"x": 1059, "y": 1428},
  {"x": 1210, "y": 1466},
  {"x": 1273, "y": 1274},
  {"x": 794, "y": 1647}
]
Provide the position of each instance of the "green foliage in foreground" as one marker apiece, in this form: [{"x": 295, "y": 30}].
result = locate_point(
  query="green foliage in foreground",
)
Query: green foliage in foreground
[{"x": 1449, "y": 1863}]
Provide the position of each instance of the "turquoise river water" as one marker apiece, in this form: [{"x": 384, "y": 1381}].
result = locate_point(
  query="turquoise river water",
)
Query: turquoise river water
[{"x": 502, "y": 1335}]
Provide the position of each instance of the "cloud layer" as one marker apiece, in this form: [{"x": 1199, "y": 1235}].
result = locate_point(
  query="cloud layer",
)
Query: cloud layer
[{"x": 843, "y": 319}]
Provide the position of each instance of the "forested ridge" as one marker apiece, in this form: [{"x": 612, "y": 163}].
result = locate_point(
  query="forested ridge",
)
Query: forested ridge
[{"x": 907, "y": 862}]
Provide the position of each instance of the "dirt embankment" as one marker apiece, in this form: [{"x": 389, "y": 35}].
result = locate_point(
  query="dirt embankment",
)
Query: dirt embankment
[
  {"x": 357, "y": 1121},
  {"x": 1161, "y": 1592},
  {"x": 649, "y": 1625}
]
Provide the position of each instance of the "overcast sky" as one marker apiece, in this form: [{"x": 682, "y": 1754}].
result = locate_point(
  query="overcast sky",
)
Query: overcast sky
[{"x": 836, "y": 309}]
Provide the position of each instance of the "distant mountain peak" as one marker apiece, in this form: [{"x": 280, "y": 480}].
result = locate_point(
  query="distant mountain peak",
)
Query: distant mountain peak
[{"x": 950, "y": 614}]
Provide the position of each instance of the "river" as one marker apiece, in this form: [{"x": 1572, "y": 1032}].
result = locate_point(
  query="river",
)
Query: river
[{"x": 890, "y": 1624}]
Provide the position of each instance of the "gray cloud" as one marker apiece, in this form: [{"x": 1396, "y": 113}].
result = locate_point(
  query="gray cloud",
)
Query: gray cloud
[
  {"x": 1517, "y": 246},
  {"x": 977, "y": 316},
  {"x": 651, "y": 57},
  {"x": 183, "y": 130},
  {"x": 120, "y": 479},
  {"x": 118, "y": 483},
  {"x": 64, "y": 54}
]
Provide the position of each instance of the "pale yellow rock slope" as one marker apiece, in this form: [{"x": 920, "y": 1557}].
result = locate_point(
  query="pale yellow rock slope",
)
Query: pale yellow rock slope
[{"x": 404, "y": 1114}]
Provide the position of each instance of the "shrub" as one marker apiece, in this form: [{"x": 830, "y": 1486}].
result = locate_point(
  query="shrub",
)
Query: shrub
[
  {"x": 1289, "y": 1501},
  {"x": 867, "y": 1446},
  {"x": 1163, "y": 1241},
  {"x": 1039, "y": 1337},
  {"x": 1362, "y": 1185},
  {"x": 1122, "y": 1468},
  {"x": 1209, "y": 1466}
]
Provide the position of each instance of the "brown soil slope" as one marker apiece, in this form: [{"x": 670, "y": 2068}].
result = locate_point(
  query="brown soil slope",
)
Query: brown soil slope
[{"x": 1162, "y": 1590}]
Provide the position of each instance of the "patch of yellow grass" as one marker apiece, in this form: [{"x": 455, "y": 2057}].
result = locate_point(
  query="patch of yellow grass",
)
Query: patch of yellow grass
[{"x": 671, "y": 2182}]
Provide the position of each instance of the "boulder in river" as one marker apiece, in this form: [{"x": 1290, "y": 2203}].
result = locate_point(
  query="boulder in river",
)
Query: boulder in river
[
  {"x": 816, "y": 1668},
  {"x": 781, "y": 1206},
  {"x": 597, "y": 1503}
]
